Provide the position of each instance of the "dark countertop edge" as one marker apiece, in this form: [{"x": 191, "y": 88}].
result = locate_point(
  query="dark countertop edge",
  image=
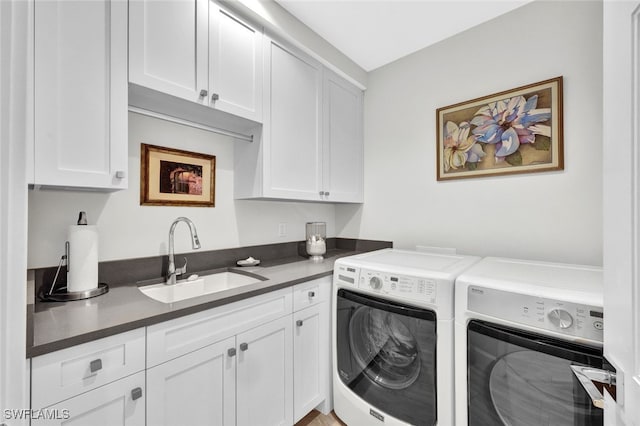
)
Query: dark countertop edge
[
  {"x": 33, "y": 351},
  {"x": 341, "y": 247}
]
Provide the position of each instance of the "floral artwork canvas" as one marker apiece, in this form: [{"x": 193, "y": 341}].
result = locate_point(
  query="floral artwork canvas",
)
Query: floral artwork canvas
[{"x": 516, "y": 131}]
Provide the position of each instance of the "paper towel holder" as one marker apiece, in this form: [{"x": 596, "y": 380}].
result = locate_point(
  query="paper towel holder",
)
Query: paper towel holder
[{"x": 61, "y": 294}]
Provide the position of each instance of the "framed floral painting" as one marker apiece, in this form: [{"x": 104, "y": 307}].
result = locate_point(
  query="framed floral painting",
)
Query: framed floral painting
[
  {"x": 172, "y": 177},
  {"x": 516, "y": 131}
]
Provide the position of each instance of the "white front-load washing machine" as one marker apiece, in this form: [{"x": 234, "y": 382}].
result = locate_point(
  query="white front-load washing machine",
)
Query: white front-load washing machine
[
  {"x": 393, "y": 337},
  {"x": 521, "y": 327}
]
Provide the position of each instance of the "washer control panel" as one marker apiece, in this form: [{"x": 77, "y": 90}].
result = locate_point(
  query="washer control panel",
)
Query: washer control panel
[
  {"x": 407, "y": 287},
  {"x": 569, "y": 318}
]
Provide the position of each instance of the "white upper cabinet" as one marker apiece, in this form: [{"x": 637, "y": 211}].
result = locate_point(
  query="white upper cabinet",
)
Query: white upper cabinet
[
  {"x": 196, "y": 51},
  {"x": 311, "y": 144},
  {"x": 343, "y": 171},
  {"x": 80, "y": 86},
  {"x": 168, "y": 46},
  {"x": 292, "y": 135},
  {"x": 235, "y": 65}
]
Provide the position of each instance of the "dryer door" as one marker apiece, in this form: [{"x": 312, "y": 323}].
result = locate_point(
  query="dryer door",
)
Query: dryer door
[
  {"x": 386, "y": 355},
  {"x": 525, "y": 379}
]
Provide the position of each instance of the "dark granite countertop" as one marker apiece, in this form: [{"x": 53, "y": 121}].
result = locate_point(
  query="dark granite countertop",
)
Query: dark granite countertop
[{"x": 55, "y": 326}]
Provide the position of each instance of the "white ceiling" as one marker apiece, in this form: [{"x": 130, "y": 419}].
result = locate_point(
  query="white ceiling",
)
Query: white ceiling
[{"x": 376, "y": 32}]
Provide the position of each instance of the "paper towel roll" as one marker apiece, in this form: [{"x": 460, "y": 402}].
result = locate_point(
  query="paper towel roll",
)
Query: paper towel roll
[{"x": 83, "y": 258}]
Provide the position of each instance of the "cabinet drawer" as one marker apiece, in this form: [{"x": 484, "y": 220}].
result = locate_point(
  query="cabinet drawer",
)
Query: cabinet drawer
[
  {"x": 311, "y": 293},
  {"x": 62, "y": 374},
  {"x": 121, "y": 403},
  {"x": 177, "y": 337}
]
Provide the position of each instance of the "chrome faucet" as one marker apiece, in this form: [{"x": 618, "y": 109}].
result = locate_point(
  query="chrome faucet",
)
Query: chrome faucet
[{"x": 195, "y": 243}]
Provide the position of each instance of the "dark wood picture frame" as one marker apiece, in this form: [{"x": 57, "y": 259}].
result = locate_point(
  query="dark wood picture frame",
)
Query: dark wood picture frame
[
  {"x": 173, "y": 177},
  {"x": 515, "y": 131}
]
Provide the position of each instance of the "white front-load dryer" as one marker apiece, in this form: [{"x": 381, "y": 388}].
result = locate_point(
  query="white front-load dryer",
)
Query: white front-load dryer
[
  {"x": 521, "y": 326},
  {"x": 392, "y": 336}
]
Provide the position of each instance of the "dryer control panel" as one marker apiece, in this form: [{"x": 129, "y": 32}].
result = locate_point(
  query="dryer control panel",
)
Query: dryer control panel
[
  {"x": 404, "y": 286},
  {"x": 568, "y": 318}
]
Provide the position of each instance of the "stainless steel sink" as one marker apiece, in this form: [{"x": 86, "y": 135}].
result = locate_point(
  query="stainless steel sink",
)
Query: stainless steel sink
[{"x": 201, "y": 286}]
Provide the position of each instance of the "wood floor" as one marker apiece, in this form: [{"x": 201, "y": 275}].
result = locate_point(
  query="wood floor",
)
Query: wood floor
[{"x": 316, "y": 418}]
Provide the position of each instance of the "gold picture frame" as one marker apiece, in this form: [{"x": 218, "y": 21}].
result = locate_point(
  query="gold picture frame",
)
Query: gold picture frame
[
  {"x": 515, "y": 131},
  {"x": 173, "y": 177}
]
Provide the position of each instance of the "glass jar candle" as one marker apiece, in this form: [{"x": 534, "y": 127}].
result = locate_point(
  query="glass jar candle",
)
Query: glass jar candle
[{"x": 316, "y": 233}]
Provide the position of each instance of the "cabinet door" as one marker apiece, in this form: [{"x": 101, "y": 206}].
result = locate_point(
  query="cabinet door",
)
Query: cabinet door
[
  {"x": 119, "y": 403},
  {"x": 235, "y": 65},
  {"x": 194, "y": 389},
  {"x": 343, "y": 174},
  {"x": 264, "y": 376},
  {"x": 80, "y": 81},
  {"x": 292, "y": 129},
  {"x": 168, "y": 46},
  {"x": 310, "y": 359}
]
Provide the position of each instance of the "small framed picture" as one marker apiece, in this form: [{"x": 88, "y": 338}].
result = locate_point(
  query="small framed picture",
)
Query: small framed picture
[
  {"x": 172, "y": 177},
  {"x": 516, "y": 131}
]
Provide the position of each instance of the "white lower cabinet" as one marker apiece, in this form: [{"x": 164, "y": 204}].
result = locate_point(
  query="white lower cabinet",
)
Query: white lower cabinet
[
  {"x": 311, "y": 347},
  {"x": 244, "y": 380},
  {"x": 119, "y": 403},
  {"x": 265, "y": 370},
  {"x": 194, "y": 389},
  {"x": 259, "y": 361},
  {"x": 307, "y": 360},
  {"x": 95, "y": 383}
]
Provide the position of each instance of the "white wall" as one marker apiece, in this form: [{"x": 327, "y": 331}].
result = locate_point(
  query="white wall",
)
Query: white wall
[
  {"x": 554, "y": 216},
  {"x": 129, "y": 230}
]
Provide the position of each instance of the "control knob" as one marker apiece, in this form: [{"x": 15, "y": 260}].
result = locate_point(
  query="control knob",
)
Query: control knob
[
  {"x": 560, "y": 318},
  {"x": 375, "y": 283}
]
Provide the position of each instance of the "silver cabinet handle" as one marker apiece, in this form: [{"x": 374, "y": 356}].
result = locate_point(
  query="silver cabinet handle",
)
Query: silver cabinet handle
[
  {"x": 203, "y": 93},
  {"x": 321, "y": 193},
  {"x": 95, "y": 365},
  {"x": 136, "y": 393},
  {"x": 244, "y": 346},
  {"x": 326, "y": 193},
  {"x": 215, "y": 97},
  {"x": 587, "y": 375},
  {"x": 121, "y": 174},
  {"x": 312, "y": 294},
  {"x": 299, "y": 323},
  {"x": 231, "y": 352}
]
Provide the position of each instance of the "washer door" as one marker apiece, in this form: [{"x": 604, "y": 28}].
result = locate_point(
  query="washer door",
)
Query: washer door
[
  {"x": 386, "y": 354},
  {"x": 384, "y": 347}
]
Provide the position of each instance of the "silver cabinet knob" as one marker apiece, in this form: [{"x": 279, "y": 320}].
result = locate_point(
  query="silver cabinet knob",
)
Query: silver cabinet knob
[
  {"x": 231, "y": 352},
  {"x": 121, "y": 174},
  {"x": 95, "y": 365},
  {"x": 136, "y": 393},
  {"x": 312, "y": 294},
  {"x": 203, "y": 93},
  {"x": 321, "y": 193},
  {"x": 215, "y": 97},
  {"x": 326, "y": 193},
  {"x": 244, "y": 346},
  {"x": 299, "y": 323}
]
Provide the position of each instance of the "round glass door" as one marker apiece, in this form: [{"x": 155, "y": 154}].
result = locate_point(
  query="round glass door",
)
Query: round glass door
[{"x": 384, "y": 347}]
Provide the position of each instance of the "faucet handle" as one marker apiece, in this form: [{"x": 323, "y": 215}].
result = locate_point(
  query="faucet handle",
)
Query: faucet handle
[{"x": 182, "y": 269}]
